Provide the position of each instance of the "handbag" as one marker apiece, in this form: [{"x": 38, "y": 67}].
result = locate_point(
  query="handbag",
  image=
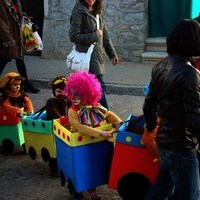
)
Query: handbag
[
  {"x": 30, "y": 38},
  {"x": 77, "y": 61}
]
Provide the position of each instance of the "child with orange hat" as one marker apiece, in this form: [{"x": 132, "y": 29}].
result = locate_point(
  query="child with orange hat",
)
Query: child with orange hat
[{"x": 12, "y": 98}]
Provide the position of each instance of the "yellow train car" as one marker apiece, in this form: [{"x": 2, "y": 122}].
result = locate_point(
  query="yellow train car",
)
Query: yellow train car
[{"x": 40, "y": 139}]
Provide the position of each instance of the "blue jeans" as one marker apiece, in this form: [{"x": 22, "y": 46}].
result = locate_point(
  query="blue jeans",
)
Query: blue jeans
[
  {"x": 103, "y": 100},
  {"x": 179, "y": 171}
]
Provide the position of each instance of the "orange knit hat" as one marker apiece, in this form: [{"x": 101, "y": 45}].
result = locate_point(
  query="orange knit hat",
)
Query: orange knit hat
[{"x": 9, "y": 78}]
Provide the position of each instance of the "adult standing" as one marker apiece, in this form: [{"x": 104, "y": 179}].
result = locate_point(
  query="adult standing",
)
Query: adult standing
[
  {"x": 174, "y": 97},
  {"x": 10, "y": 39},
  {"x": 83, "y": 32}
]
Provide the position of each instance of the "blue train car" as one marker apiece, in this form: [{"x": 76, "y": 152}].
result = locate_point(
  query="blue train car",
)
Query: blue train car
[{"x": 83, "y": 161}]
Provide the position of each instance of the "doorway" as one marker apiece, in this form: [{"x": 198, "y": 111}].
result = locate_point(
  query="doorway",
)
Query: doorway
[
  {"x": 34, "y": 9},
  {"x": 164, "y": 14}
]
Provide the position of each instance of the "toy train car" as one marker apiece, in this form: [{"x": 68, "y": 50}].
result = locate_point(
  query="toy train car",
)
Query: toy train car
[
  {"x": 40, "y": 139},
  {"x": 83, "y": 161},
  {"x": 11, "y": 131},
  {"x": 133, "y": 170}
]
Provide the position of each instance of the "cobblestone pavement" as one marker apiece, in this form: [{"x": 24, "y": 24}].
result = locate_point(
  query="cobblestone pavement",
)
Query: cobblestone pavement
[{"x": 24, "y": 179}]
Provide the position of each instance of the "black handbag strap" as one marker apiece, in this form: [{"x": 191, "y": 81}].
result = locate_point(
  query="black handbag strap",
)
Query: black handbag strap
[{"x": 39, "y": 112}]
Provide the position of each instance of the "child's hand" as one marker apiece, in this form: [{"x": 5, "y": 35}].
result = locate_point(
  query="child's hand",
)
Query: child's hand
[
  {"x": 99, "y": 32},
  {"x": 149, "y": 140},
  {"x": 106, "y": 134},
  {"x": 118, "y": 126},
  {"x": 22, "y": 114}
]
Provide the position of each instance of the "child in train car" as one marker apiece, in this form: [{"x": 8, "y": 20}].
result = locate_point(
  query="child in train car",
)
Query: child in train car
[
  {"x": 86, "y": 113},
  {"x": 57, "y": 106},
  {"x": 13, "y": 99}
]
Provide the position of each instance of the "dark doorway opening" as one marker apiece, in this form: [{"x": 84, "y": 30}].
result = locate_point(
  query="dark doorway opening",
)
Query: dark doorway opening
[{"x": 35, "y": 9}]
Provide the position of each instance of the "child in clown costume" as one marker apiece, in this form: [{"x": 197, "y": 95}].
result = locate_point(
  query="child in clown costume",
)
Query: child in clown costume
[
  {"x": 86, "y": 113},
  {"x": 84, "y": 91},
  {"x": 12, "y": 98}
]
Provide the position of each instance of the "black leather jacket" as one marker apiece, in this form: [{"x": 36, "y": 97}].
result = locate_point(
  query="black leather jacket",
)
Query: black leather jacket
[{"x": 175, "y": 97}]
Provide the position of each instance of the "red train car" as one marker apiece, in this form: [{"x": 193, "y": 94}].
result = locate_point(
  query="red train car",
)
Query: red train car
[{"x": 133, "y": 170}]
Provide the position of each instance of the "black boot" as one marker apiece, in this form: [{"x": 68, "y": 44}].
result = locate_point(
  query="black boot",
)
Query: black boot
[{"x": 28, "y": 87}]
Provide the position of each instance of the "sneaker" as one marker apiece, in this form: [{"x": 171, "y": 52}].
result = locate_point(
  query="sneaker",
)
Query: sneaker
[{"x": 28, "y": 87}]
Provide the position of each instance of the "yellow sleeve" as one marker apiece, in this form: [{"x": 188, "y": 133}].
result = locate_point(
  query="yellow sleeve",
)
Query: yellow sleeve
[
  {"x": 81, "y": 128},
  {"x": 112, "y": 118}
]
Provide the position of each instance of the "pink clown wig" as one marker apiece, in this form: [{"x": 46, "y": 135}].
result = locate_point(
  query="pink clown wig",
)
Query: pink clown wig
[{"x": 85, "y": 85}]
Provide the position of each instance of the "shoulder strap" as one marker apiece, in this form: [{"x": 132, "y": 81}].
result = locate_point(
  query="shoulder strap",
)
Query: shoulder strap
[
  {"x": 97, "y": 20},
  {"x": 39, "y": 112}
]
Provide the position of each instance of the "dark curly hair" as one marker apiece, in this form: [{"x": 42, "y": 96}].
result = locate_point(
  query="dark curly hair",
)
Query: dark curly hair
[
  {"x": 184, "y": 39},
  {"x": 58, "y": 82},
  {"x": 98, "y": 6}
]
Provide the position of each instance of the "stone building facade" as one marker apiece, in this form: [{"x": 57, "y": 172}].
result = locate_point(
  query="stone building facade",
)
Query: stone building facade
[{"x": 127, "y": 22}]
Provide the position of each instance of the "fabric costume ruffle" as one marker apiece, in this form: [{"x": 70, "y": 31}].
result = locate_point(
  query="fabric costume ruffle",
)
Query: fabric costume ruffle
[{"x": 91, "y": 115}]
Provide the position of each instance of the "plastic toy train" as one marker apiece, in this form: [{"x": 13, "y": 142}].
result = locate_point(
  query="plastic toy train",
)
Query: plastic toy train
[{"x": 82, "y": 161}]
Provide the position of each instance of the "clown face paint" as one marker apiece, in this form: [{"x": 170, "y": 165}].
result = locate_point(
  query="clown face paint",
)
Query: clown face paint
[{"x": 76, "y": 100}]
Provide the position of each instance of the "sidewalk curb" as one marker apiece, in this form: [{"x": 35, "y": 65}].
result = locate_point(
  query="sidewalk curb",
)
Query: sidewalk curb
[{"x": 119, "y": 89}]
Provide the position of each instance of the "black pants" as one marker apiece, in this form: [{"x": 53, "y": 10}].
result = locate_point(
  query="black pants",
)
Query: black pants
[
  {"x": 21, "y": 67},
  {"x": 103, "y": 99}
]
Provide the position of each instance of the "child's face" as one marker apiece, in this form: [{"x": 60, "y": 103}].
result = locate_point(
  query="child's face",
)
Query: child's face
[
  {"x": 76, "y": 100},
  {"x": 15, "y": 86},
  {"x": 59, "y": 93}
]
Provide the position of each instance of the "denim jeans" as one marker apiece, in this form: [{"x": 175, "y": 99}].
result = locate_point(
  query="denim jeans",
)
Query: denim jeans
[
  {"x": 103, "y": 100},
  {"x": 179, "y": 172}
]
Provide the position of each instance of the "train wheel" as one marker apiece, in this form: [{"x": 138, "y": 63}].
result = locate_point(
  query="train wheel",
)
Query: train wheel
[
  {"x": 7, "y": 146},
  {"x": 53, "y": 166},
  {"x": 77, "y": 195},
  {"x": 62, "y": 178},
  {"x": 45, "y": 154},
  {"x": 24, "y": 148},
  {"x": 32, "y": 153},
  {"x": 133, "y": 186},
  {"x": 70, "y": 186}
]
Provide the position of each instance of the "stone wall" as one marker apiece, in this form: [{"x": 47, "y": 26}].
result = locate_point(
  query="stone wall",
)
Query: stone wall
[{"x": 127, "y": 22}]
